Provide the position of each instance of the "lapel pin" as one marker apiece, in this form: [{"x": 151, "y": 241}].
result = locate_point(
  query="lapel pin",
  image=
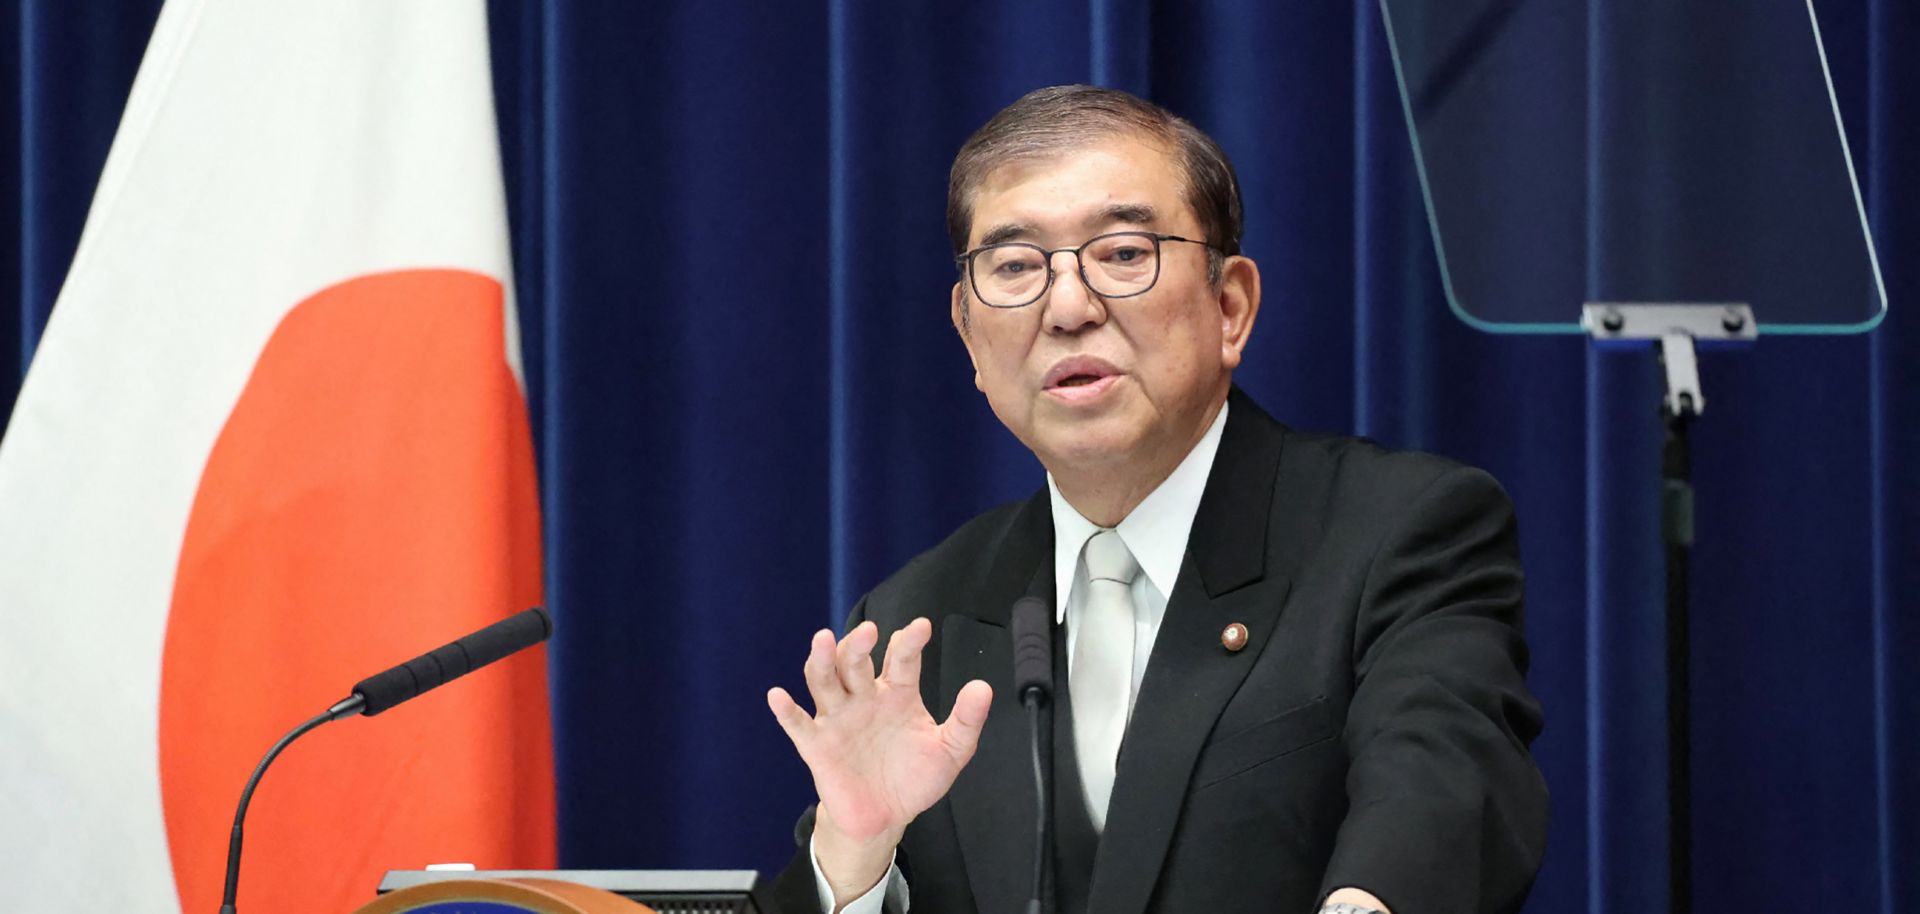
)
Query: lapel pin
[{"x": 1233, "y": 637}]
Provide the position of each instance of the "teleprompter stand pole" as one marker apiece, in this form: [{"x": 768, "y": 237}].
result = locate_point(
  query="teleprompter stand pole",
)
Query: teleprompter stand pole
[
  {"x": 1677, "y": 412},
  {"x": 1675, "y": 328}
]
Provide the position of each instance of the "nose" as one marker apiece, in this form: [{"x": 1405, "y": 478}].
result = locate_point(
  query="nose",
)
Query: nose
[{"x": 1071, "y": 307}]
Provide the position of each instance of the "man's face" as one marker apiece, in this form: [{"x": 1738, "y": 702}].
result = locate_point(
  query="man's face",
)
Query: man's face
[{"x": 1090, "y": 384}]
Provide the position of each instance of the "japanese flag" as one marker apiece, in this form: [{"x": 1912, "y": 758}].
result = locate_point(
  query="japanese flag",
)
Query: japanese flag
[{"x": 272, "y": 441}]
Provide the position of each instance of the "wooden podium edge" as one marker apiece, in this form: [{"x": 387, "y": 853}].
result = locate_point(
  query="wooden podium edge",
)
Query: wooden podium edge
[{"x": 537, "y": 896}]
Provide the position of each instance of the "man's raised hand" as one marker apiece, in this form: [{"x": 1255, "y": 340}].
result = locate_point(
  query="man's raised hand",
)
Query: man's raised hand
[{"x": 877, "y": 756}]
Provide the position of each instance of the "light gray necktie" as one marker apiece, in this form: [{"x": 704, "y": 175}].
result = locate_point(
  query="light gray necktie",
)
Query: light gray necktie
[{"x": 1102, "y": 674}]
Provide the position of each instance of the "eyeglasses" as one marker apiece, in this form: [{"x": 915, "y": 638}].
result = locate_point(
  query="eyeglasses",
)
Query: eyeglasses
[{"x": 1015, "y": 274}]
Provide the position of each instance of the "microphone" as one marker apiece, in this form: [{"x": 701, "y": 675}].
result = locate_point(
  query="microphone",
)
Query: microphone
[
  {"x": 1032, "y": 651},
  {"x": 1033, "y": 682},
  {"x": 439, "y": 667},
  {"x": 379, "y": 692}
]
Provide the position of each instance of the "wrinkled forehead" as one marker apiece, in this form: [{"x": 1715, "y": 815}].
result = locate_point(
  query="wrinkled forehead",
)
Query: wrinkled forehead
[{"x": 1061, "y": 193}]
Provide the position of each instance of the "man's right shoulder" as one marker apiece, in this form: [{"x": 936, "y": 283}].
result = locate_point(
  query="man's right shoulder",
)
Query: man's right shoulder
[{"x": 952, "y": 572}]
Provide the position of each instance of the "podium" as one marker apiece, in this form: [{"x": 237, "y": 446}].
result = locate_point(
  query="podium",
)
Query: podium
[
  {"x": 503, "y": 896},
  {"x": 568, "y": 892}
]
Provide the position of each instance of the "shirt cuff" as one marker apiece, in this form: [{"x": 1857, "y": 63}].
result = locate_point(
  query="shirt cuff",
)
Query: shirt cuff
[{"x": 891, "y": 888}]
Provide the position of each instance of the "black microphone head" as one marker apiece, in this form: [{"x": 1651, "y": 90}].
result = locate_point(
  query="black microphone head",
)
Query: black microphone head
[
  {"x": 452, "y": 661},
  {"x": 1032, "y": 648},
  {"x": 536, "y": 619}
]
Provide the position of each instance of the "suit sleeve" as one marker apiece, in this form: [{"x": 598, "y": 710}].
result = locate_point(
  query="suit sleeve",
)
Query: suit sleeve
[{"x": 1447, "y": 811}]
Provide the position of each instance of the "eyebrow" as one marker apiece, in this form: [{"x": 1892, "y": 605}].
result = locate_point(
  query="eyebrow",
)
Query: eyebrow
[
  {"x": 1135, "y": 213},
  {"x": 1011, "y": 231}
]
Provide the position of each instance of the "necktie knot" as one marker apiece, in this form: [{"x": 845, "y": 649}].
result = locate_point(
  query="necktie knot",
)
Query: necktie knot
[{"x": 1109, "y": 559}]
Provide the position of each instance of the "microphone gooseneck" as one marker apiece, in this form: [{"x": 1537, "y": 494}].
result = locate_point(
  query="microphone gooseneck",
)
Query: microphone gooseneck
[
  {"x": 380, "y": 692},
  {"x": 340, "y": 709},
  {"x": 1033, "y": 682}
]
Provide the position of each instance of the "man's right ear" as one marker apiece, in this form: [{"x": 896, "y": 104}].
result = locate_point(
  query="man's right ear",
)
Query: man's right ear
[
  {"x": 960, "y": 317},
  {"x": 961, "y": 322},
  {"x": 963, "y": 325}
]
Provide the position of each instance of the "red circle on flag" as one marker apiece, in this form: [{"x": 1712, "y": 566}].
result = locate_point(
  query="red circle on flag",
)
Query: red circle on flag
[{"x": 370, "y": 497}]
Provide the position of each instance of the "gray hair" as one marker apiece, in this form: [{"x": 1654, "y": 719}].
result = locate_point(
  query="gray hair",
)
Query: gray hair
[{"x": 1057, "y": 119}]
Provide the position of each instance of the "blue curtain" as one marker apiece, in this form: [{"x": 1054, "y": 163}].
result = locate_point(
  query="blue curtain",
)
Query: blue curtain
[{"x": 732, "y": 275}]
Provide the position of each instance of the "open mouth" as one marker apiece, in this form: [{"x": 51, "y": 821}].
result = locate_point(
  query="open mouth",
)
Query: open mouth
[{"x": 1080, "y": 378}]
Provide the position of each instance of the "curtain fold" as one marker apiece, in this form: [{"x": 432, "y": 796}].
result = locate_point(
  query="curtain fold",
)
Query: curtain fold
[
  {"x": 1883, "y": 36},
  {"x": 64, "y": 93},
  {"x": 751, "y": 407}
]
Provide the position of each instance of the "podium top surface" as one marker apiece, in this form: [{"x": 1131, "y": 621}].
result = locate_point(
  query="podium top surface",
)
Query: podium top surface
[{"x": 618, "y": 881}]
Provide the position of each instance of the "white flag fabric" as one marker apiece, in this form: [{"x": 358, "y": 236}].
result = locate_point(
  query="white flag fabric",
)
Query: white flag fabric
[{"x": 272, "y": 441}]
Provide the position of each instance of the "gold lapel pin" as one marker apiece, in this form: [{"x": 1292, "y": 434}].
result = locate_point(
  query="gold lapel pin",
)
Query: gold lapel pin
[{"x": 1233, "y": 637}]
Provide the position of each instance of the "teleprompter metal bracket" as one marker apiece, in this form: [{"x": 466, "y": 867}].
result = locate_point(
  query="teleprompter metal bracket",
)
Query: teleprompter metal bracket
[{"x": 1676, "y": 328}]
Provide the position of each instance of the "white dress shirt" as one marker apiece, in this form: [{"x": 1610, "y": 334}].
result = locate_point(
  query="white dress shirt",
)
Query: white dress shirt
[{"x": 1156, "y": 532}]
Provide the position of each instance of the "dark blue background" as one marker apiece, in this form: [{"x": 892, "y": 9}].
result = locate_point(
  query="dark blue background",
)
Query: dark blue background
[{"x": 732, "y": 274}]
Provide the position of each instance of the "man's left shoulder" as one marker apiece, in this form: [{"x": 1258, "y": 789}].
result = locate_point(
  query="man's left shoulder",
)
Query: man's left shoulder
[
  {"x": 1355, "y": 471},
  {"x": 1362, "y": 475},
  {"x": 1365, "y": 463}
]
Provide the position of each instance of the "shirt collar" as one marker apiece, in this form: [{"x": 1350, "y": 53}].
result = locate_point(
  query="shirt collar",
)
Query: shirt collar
[{"x": 1156, "y": 531}]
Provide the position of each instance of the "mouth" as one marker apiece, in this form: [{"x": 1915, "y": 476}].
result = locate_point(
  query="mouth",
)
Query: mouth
[{"x": 1080, "y": 378}]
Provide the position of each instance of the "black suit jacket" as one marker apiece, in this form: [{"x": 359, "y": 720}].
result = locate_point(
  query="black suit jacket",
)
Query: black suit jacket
[{"x": 1373, "y": 732}]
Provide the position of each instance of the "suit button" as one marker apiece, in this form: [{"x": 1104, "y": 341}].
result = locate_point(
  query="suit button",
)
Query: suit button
[{"x": 1233, "y": 637}]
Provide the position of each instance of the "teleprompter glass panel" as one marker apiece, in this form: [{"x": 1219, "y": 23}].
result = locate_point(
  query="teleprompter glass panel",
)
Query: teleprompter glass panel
[{"x": 1646, "y": 151}]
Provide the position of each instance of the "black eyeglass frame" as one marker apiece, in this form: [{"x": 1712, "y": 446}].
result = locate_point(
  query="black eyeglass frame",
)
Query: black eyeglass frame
[{"x": 965, "y": 262}]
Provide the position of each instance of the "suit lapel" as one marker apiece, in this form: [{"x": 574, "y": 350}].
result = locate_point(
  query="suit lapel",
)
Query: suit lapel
[
  {"x": 1190, "y": 676},
  {"x": 992, "y": 799}
]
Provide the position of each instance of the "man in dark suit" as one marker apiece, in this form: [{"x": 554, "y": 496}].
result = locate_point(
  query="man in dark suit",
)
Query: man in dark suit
[{"x": 1290, "y": 669}]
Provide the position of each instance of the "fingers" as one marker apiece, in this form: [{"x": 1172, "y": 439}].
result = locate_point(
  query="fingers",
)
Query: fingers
[
  {"x": 961, "y": 732},
  {"x": 836, "y": 673},
  {"x": 796, "y": 723},
  {"x": 823, "y": 682},
  {"x": 903, "y": 653},
  {"x": 854, "y": 660}
]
